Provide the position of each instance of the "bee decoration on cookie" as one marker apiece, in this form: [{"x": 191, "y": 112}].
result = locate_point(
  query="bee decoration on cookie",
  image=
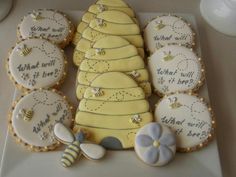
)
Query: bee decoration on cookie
[
  {"x": 136, "y": 119},
  {"x": 101, "y": 8},
  {"x": 77, "y": 146},
  {"x": 97, "y": 92},
  {"x": 101, "y": 22},
  {"x": 36, "y": 15},
  {"x": 23, "y": 50},
  {"x": 100, "y": 51},
  {"x": 25, "y": 114},
  {"x": 168, "y": 56},
  {"x": 174, "y": 103},
  {"x": 135, "y": 74},
  {"x": 160, "y": 25}
]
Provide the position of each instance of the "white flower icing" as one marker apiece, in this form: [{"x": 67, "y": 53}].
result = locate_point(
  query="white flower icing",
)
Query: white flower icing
[{"x": 36, "y": 63}]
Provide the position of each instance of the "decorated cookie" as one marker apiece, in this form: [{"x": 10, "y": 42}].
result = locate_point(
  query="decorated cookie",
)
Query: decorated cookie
[
  {"x": 105, "y": 24},
  {"x": 175, "y": 68},
  {"x": 168, "y": 29},
  {"x": 36, "y": 63},
  {"x": 112, "y": 110},
  {"x": 155, "y": 144},
  {"x": 189, "y": 117},
  {"x": 98, "y": 7},
  {"x": 49, "y": 24},
  {"x": 34, "y": 115},
  {"x": 76, "y": 146},
  {"x": 109, "y": 54}
]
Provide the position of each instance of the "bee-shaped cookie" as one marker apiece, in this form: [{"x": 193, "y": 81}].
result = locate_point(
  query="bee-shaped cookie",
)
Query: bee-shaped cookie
[
  {"x": 25, "y": 114},
  {"x": 76, "y": 146}
]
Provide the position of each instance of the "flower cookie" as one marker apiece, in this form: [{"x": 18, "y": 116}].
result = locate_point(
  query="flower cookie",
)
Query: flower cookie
[
  {"x": 175, "y": 68},
  {"x": 112, "y": 53},
  {"x": 155, "y": 144},
  {"x": 49, "y": 24},
  {"x": 109, "y": 23},
  {"x": 168, "y": 29},
  {"x": 112, "y": 110},
  {"x": 98, "y": 7},
  {"x": 33, "y": 116},
  {"x": 36, "y": 63},
  {"x": 190, "y": 118}
]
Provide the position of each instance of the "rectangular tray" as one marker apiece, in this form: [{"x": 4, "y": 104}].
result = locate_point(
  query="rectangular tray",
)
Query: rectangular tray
[{"x": 18, "y": 162}]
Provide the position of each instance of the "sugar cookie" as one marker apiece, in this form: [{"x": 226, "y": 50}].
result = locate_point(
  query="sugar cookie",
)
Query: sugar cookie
[
  {"x": 109, "y": 54},
  {"x": 189, "y": 117},
  {"x": 33, "y": 117},
  {"x": 105, "y": 24},
  {"x": 155, "y": 144},
  {"x": 97, "y": 8},
  {"x": 175, "y": 68},
  {"x": 49, "y": 24},
  {"x": 168, "y": 29},
  {"x": 36, "y": 63},
  {"x": 112, "y": 110}
]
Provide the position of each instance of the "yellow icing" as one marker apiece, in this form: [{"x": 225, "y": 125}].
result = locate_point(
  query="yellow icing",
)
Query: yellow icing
[
  {"x": 110, "y": 121},
  {"x": 81, "y": 27},
  {"x": 114, "y": 53},
  {"x": 80, "y": 89},
  {"x": 113, "y": 3},
  {"x": 87, "y": 17},
  {"x": 93, "y": 35},
  {"x": 86, "y": 78},
  {"x": 113, "y": 80},
  {"x": 95, "y": 8},
  {"x": 114, "y": 108},
  {"x": 123, "y": 94},
  {"x": 111, "y": 42},
  {"x": 115, "y": 28},
  {"x": 79, "y": 56}
]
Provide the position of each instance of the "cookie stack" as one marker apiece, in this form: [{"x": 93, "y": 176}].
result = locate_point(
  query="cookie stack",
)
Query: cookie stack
[
  {"x": 112, "y": 110},
  {"x": 177, "y": 74},
  {"x": 109, "y": 49},
  {"x": 37, "y": 65}
]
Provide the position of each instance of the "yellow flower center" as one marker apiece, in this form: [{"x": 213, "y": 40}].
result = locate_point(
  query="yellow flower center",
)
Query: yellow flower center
[{"x": 156, "y": 143}]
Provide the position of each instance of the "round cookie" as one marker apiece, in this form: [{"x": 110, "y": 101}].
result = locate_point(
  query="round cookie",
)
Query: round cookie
[
  {"x": 168, "y": 29},
  {"x": 175, "y": 68},
  {"x": 155, "y": 144},
  {"x": 112, "y": 110},
  {"x": 49, "y": 24},
  {"x": 190, "y": 118},
  {"x": 36, "y": 63},
  {"x": 33, "y": 116}
]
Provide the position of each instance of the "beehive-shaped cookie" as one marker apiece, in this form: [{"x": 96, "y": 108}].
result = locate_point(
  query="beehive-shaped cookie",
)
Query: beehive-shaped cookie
[
  {"x": 112, "y": 110},
  {"x": 98, "y": 7},
  {"x": 112, "y": 53},
  {"x": 108, "y": 23}
]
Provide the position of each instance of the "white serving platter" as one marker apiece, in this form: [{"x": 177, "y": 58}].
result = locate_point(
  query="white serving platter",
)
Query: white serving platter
[{"x": 18, "y": 162}]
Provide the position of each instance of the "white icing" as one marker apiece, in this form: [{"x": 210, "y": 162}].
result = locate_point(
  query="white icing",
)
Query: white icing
[
  {"x": 41, "y": 67},
  {"x": 45, "y": 23},
  {"x": 189, "y": 118},
  {"x": 171, "y": 30},
  {"x": 93, "y": 151},
  {"x": 174, "y": 68},
  {"x": 48, "y": 108},
  {"x": 63, "y": 134}
]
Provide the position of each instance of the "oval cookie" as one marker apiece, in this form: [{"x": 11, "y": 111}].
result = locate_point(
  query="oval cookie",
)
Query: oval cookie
[
  {"x": 155, "y": 144},
  {"x": 168, "y": 29},
  {"x": 175, "y": 68},
  {"x": 33, "y": 117},
  {"x": 189, "y": 117},
  {"x": 36, "y": 63},
  {"x": 49, "y": 24}
]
